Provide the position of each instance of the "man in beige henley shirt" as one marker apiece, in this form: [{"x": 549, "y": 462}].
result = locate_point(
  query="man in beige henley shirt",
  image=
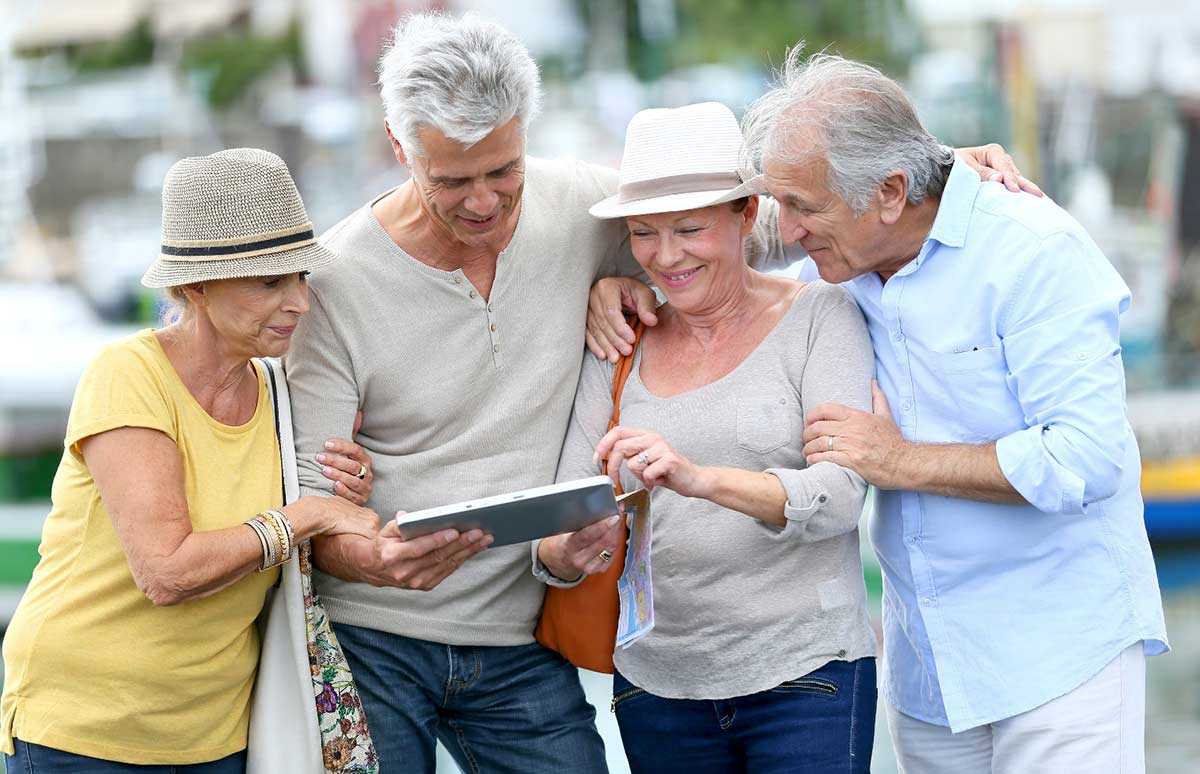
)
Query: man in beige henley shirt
[{"x": 454, "y": 320}]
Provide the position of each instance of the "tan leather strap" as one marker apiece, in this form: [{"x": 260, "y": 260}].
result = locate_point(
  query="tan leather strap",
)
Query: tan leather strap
[{"x": 620, "y": 375}]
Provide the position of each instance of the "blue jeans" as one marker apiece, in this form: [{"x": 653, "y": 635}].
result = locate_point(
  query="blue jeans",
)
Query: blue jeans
[
  {"x": 822, "y": 723},
  {"x": 496, "y": 709},
  {"x": 36, "y": 759}
]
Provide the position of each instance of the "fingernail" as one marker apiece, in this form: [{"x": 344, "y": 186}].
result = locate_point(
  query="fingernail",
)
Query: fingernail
[
  {"x": 327, "y": 470},
  {"x": 613, "y": 519},
  {"x": 329, "y": 444},
  {"x": 320, "y": 458},
  {"x": 451, "y": 536}
]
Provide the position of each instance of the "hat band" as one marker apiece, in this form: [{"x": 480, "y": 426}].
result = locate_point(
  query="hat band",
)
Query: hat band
[
  {"x": 678, "y": 184},
  {"x": 225, "y": 250}
]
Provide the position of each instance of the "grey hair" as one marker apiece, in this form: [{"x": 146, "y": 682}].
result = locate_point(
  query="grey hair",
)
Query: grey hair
[
  {"x": 463, "y": 76},
  {"x": 861, "y": 120}
]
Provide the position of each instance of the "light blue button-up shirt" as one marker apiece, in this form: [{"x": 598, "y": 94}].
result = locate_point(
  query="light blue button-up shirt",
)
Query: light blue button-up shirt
[{"x": 1005, "y": 328}]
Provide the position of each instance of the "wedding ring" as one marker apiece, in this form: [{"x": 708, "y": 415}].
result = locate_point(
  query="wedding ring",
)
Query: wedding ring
[
  {"x": 362, "y": 472},
  {"x": 605, "y": 556},
  {"x": 643, "y": 460},
  {"x": 830, "y": 442}
]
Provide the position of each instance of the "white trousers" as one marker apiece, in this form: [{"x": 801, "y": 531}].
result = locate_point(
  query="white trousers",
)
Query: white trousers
[{"x": 1098, "y": 727}]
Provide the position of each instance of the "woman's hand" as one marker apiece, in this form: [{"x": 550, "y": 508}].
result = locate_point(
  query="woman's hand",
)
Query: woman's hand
[
  {"x": 585, "y": 552},
  {"x": 319, "y": 515},
  {"x": 342, "y": 463},
  {"x": 608, "y": 335},
  {"x": 993, "y": 163},
  {"x": 652, "y": 460}
]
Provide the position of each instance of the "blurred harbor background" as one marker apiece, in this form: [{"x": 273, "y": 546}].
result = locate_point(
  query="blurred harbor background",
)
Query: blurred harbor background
[{"x": 1098, "y": 100}]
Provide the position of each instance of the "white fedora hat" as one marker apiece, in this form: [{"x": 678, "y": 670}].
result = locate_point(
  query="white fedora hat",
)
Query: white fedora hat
[
  {"x": 235, "y": 213},
  {"x": 679, "y": 159}
]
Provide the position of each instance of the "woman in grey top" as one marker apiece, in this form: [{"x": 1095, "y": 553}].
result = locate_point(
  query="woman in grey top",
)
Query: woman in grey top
[{"x": 762, "y": 656}]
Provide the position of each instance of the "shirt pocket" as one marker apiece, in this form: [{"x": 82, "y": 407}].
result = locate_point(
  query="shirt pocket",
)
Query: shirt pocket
[
  {"x": 976, "y": 382},
  {"x": 765, "y": 422}
]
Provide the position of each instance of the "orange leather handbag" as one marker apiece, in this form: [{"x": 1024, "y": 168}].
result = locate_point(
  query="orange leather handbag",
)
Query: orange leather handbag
[{"x": 581, "y": 622}]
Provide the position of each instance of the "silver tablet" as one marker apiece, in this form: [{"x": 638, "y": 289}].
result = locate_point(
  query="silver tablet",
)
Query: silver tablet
[{"x": 522, "y": 516}]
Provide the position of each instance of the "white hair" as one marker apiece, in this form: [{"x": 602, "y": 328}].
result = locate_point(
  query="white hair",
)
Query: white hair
[
  {"x": 463, "y": 76},
  {"x": 861, "y": 120}
]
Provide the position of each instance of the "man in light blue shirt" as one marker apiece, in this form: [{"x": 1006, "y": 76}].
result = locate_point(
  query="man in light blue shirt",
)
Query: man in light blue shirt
[{"x": 1020, "y": 595}]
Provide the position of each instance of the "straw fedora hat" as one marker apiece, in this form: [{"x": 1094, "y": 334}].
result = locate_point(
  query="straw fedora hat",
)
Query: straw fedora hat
[
  {"x": 679, "y": 159},
  {"x": 235, "y": 213}
]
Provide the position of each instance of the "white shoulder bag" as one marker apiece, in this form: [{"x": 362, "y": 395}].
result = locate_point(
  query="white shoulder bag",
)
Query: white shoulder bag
[{"x": 303, "y": 692}]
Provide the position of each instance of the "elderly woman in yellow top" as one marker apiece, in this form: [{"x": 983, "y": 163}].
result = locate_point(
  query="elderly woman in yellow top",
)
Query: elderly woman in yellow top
[{"x": 135, "y": 642}]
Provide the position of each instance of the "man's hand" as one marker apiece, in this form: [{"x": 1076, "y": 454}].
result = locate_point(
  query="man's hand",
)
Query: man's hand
[
  {"x": 870, "y": 444},
  {"x": 581, "y": 553},
  {"x": 608, "y": 335},
  {"x": 390, "y": 560},
  {"x": 993, "y": 163}
]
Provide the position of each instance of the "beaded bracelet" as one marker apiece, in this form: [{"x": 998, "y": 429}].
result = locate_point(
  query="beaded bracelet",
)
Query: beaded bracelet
[
  {"x": 284, "y": 528},
  {"x": 287, "y": 523}
]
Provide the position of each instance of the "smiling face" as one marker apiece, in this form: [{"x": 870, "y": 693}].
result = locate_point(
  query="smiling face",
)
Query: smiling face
[
  {"x": 472, "y": 195},
  {"x": 695, "y": 256},
  {"x": 842, "y": 245},
  {"x": 254, "y": 316}
]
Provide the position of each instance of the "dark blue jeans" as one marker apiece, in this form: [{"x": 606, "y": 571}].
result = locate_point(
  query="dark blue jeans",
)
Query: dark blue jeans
[
  {"x": 497, "y": 709},
  {"x": 36, "y": 759},
  {"x": 822, "y": 723}
]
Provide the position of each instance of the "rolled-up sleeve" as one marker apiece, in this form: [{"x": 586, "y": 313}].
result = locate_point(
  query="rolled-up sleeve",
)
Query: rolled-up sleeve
[
  {"x": 825, "y": 500},
  {"x": 1061, "y": 340}
]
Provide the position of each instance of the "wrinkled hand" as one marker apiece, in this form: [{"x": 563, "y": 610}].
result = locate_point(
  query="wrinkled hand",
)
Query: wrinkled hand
[
  {"x": 341, "y": 462},
  {"x": 652, "y": 460},
  {"x": 870, "y": 444},
  {"x": 320, "y": 515},
  {"x": 579, "y": 553},
  {"x": 423, "y": 562},
  {"x": 608, "y": 335},
  {"x": 992, "y": 162}
]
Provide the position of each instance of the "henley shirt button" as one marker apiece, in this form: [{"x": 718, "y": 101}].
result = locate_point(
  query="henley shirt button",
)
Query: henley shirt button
[
  {"x": 928, "y": 601},
  {"x": 898, "y": 336},
  {"x": 907, "y": 406},
  {"x": 823, "y": 498},
  {"x": 493, "y": 327},
  {"x": 841, "y": 654},
  {"x": 457, "y": 280},
  {"x": 783, "y": 401},
  {"x": 489, "y": 307},
  {"x": 912, "y": 540},
  {"x": 472, "y": 294},
  {"x": 495, "y": 347}
]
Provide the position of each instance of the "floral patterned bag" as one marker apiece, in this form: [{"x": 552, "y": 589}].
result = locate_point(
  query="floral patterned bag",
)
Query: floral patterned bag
[
  {"x": 305, "y": 715},
  {"x": 345, "y": 739}
]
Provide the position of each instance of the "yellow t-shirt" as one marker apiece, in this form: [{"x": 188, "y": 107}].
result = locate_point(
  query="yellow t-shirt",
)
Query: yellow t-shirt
[{"x": 91, "y": 666}]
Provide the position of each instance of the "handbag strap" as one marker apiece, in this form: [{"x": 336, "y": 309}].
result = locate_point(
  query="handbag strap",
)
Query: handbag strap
[{"x": 621, "y": 373}]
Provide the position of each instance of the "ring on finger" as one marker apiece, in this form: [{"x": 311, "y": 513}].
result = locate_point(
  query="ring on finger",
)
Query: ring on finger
[
  {"x": 362, "y": 472},
  {"x": 829, "y": 444},
  {"x": 605, "y": 556},
  {"x": 643, "y": 460}
]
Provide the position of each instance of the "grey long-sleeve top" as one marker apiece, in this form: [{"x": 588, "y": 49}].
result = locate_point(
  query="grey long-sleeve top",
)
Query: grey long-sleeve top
[{"x": 741, "y": 606}]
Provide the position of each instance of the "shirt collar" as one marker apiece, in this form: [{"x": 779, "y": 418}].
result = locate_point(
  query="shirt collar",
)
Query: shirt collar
[{"x": 956, "y": 205}]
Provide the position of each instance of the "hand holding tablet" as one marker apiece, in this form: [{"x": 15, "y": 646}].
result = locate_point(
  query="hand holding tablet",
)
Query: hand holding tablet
[{"x": 519, "y": 517}]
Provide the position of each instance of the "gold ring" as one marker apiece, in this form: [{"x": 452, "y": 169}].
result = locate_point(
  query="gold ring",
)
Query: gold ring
[
  {"x": 830, "y": 444},
  {"x": 605, "y": 556},
  {"x": 362, "y": 472}
]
